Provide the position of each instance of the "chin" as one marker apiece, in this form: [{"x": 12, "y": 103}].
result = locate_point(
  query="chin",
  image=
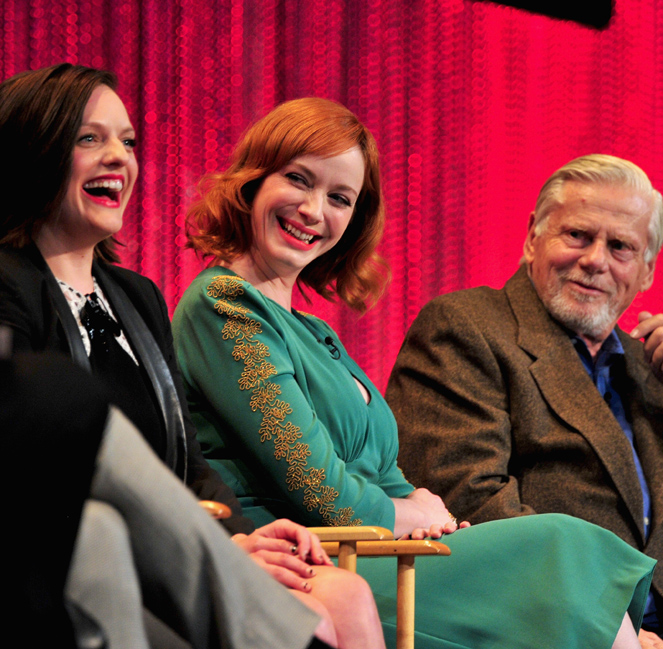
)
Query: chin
[
  {"x": 112, "y": 226},
  {"x": 595, "y": 321}
]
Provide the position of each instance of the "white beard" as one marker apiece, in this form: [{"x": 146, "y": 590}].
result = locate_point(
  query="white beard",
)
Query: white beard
[{"x": 594, "y": 323}]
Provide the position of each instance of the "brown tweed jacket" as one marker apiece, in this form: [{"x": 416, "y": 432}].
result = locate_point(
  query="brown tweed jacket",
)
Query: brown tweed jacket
[{"x": 497, "y": 415}]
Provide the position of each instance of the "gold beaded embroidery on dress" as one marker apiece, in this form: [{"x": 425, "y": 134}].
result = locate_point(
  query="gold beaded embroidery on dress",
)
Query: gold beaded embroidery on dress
[{"x": 243, "y": 330}]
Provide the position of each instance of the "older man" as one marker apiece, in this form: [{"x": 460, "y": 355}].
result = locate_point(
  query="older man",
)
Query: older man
[{"x": 530, "y": 399}]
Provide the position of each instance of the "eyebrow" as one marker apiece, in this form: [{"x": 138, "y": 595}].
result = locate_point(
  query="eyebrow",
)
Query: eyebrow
[
  {"x": 346, "y": 188},
  {"x": 126, "y": 129}
]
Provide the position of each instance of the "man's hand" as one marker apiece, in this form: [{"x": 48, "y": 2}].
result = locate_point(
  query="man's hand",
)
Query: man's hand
[
  {"x": 650, "y": 328},
  {"x": 649, "y": 640},
  {"x": 286, "y": 551}
]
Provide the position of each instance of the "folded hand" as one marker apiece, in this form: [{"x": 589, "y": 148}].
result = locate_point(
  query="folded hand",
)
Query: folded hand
[{"x": 286, "y": 551}]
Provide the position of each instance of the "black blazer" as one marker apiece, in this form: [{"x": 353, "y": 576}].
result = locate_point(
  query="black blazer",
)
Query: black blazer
[{"x": 41, "y": 320}]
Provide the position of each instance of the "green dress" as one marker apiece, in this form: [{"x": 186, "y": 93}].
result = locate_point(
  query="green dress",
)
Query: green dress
[{"x": 280, "y": 417}]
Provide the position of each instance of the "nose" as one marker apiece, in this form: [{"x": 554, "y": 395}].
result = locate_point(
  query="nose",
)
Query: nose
[
  {"x": 595, "y": 257},
  {"x": 311, "y": 207},
  {"x": 115, "y": 153}
]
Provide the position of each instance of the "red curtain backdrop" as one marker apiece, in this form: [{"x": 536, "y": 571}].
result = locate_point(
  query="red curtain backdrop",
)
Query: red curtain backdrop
[{"x": 473, "y": 105}]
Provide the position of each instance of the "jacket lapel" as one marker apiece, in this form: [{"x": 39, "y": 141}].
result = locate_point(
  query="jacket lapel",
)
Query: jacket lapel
[
  {"x": 153, "y": 361},
  {"x": 60, "y": 305},
  {"x": 570, "y": 392}
]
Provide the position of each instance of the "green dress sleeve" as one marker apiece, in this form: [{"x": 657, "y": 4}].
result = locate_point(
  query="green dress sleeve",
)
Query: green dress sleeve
[{"x": 239, "y": 352}]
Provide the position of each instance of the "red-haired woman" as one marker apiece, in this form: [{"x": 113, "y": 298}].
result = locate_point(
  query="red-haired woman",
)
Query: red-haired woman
[{"x": 293, "y": 424}]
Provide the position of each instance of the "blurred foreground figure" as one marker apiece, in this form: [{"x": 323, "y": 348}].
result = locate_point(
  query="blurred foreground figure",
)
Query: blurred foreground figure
[{"x": 143, "y": 539}]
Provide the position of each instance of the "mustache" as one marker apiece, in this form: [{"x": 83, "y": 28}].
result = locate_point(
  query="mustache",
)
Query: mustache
[{"x": 589, "y": 281}]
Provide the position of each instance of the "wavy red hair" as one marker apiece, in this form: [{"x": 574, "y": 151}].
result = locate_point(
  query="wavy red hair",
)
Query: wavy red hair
[{"x": 219, "y": 223}]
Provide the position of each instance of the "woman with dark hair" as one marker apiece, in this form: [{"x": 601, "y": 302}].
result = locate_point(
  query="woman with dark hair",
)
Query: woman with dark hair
[
  {"x": 293, "y": 424},
  {"x": 72, "y": 173},
  {"x": 73, "y": 169}
]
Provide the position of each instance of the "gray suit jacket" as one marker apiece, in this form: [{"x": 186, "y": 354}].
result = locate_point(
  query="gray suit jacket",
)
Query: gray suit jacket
[{"x": 498, "y": 416}]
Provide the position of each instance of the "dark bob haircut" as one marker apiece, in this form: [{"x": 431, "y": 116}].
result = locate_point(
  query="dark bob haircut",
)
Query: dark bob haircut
[
  {"x": 40, "y": 114},
  {"x": 219, "y": 224}
]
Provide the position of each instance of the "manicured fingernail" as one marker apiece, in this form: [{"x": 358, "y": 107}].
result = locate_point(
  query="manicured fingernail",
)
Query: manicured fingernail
[
  {"x": 321, "y": 557},
  {"x": 306, "y": 585},
  {"x": 310, "y": 572}
]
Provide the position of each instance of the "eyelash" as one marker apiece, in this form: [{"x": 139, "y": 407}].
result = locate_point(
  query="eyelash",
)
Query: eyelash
[
  {"x": 128, "y": 142},
  {"x": 341, "y": 199},
  {"x": 616, "y": 245},
  {"x": 298, "y": 178}
]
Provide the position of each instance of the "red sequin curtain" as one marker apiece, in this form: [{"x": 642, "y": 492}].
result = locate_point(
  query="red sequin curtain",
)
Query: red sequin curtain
[{"x": 473, "y": 105}]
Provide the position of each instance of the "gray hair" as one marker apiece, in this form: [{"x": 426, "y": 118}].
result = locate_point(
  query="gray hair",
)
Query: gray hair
[{"x": 598, "y": 168}]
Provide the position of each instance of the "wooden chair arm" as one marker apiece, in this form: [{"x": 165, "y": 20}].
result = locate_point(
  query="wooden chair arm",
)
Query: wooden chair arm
[
  {"x": 350, "y": 533},
  {"x": 215, "y": 510},
  {"x": 391, "y": 548},
  {"x": 346, "y": 539}
]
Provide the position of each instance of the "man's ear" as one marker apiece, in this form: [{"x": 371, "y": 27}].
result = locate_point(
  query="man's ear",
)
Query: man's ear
[
  {"x": 529, "y": 240},
  {"x": 648, "y": 279}
]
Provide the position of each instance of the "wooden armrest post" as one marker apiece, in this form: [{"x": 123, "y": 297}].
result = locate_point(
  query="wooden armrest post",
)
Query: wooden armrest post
[
  {"x": 405, "y": 602},
  {"x": 347, "y": 555}
]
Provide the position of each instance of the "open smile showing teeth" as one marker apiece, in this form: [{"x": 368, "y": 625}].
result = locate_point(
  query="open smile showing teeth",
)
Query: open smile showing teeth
[
  {"x": 104, "y": 187},
  {"x": 298, "y": 234}
]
